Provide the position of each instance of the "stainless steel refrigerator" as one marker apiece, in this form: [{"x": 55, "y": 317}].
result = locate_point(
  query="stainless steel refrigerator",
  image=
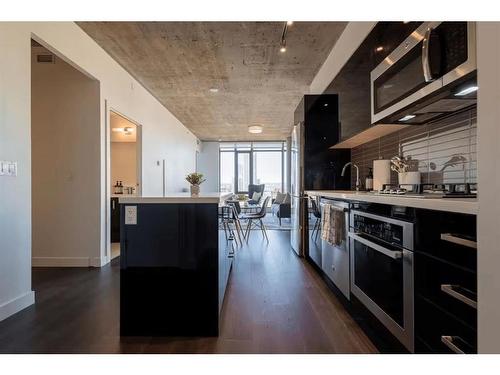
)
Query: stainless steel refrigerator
[{"x": 313, "y": 165}]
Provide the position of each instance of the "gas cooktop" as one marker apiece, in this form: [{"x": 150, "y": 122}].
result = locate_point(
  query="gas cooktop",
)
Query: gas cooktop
[{"x": 465, "y": 190}]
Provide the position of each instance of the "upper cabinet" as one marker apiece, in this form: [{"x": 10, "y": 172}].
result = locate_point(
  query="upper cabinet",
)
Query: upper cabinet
[
  {"x": 352, "y": 84},
  {"x": 411, "y": 73}
]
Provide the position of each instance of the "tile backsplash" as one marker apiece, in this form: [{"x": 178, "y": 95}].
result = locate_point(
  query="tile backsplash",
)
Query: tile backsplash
[{"x": 445, "y": 150}]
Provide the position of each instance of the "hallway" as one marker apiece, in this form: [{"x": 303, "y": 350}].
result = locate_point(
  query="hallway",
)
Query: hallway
[{"x": 275, "y": 303}]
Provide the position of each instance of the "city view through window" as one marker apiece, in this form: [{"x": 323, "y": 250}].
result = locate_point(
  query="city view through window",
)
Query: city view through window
[{"x": 242, "y": 164}]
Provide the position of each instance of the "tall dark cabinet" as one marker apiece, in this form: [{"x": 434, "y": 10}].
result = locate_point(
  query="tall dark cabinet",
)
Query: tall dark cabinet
[{"x": 319, "y": 115}]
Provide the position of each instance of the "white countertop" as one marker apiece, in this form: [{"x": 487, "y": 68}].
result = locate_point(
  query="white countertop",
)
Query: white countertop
[
  {"x": 460, "y": 205},
  {"x": 178, "y": 198}
]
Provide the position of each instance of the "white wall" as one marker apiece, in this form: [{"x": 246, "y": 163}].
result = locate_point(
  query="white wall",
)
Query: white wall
[
  {"x": 124, "y": 163},
  {"x": 164, "y": 137},
  {"x": 65, "y": 161},
  {"x": 488, "y": 171},
  {"x": 208, "y": 164}
]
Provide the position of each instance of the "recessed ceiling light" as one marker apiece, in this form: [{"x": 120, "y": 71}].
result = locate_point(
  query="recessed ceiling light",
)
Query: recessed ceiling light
[
  {"x": 289, "y": 23},
  {"x": 255, "y": 129},
  {"x": 213, "y": 89},
  {"x": 379, "y": 49},
  {"x": 467, "y": 91},
  {"x": 325, "y": 105},
  {"x": 407, "y": 117}
]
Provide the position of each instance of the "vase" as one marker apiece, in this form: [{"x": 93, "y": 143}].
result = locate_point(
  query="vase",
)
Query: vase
[
  {"x": 195, "y": 190},
  {"x": 409, "y": 178}
]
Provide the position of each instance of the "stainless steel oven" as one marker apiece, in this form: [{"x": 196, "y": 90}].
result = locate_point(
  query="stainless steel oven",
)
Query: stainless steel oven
[
  {"x": 434, "y": 56},
  {"x": 382, "y": 270}
]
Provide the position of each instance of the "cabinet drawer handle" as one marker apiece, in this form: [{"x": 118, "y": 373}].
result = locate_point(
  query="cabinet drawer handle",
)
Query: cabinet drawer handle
[
  {"x": 458, "y": 240},
  {"x": 449, "y": 341},
  {"x": 453, "y": 292}
]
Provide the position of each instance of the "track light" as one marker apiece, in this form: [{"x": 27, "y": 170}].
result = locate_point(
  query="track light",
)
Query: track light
[{"x": 283, "y": 36}]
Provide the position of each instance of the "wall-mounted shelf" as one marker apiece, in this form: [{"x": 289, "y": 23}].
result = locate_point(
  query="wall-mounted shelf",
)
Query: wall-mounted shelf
[{"x": 368, "y": 135}]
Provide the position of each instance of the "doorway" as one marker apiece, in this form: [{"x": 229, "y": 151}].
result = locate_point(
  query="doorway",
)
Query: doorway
[
  {"x": 65, "y": 162},
  {"x": 124, "y": 171}
]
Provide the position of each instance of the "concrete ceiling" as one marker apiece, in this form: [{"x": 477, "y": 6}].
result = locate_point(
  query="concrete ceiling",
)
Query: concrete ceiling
[{"x": 179, "y": 62}]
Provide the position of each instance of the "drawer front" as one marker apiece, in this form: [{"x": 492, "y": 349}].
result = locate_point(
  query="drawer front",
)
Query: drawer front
[
  {"x": 442, "y": 234},
  {"x": 434, "y": 328},
  {"x": 450, "y": 287}
]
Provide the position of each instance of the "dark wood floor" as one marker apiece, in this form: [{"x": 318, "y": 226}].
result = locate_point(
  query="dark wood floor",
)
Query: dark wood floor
[{"x": 275, "y": 303}]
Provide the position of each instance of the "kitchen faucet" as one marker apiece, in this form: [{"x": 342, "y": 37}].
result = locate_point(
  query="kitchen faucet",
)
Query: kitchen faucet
[{"x": 357, "y": 173}]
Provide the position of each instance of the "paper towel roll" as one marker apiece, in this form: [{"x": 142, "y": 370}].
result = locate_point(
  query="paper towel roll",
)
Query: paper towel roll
[{"x": 381, "y": 173}]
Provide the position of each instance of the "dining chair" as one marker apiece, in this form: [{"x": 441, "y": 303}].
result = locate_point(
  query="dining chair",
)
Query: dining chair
[
  {"x": 317, "y": 215},
  {"x": 255, "y": 219}
]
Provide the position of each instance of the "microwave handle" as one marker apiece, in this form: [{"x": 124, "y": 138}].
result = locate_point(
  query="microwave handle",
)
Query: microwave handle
[{"x": 430, "y": 60}]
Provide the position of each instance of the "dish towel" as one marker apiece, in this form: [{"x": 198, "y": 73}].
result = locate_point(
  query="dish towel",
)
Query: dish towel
[
  {"x": 333, "y": 225},
  {"x": 325, "y": 222}
]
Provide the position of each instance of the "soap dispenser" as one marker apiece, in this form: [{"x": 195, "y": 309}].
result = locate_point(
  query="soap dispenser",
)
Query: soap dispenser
[{"x": 369, "y": 180}]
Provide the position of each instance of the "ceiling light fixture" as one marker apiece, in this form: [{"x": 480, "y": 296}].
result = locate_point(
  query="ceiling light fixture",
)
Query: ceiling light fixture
[
  {"x": 289, "y": 23},
  {"x": 283, "y": 49},
  {"x": 406, "y": 118},
  {"x": 379, "y": 49},
  {"x": 127, "y": 130},
  {"x": 467, "y": 91},
  {"x": 213, "y": 89},
  {"x": 255, "y": 129}
]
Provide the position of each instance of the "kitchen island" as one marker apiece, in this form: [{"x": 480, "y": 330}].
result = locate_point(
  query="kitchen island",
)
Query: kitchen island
[{"x": 174, "y": 266}]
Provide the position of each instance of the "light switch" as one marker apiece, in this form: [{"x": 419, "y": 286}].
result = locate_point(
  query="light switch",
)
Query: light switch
[
  {"x": 12, "y": 170},
  {"x": 8, "y": 168}
]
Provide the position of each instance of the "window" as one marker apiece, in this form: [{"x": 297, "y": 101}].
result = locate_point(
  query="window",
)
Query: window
[
  {"x": 226, "y": 172},
  {"x": 243, "y": 171},
  {"x": 267, "y": 169},
  {"x": 245, "y": 163}
]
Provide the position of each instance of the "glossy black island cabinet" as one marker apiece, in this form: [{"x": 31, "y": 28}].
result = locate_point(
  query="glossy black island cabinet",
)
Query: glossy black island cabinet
[{"x": 175, "y": 266}]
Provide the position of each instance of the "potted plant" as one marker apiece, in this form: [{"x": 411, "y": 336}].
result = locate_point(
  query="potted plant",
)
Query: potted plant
[{"x": 195, "y": 179}]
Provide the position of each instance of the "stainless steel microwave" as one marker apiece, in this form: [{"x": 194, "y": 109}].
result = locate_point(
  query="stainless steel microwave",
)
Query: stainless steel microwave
[{"x": 434, "y": 56}]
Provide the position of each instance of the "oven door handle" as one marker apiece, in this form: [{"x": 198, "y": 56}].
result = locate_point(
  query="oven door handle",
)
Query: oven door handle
[{"x": 394, "y": 254}]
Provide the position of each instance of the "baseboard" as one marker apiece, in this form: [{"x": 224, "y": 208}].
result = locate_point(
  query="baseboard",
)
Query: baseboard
[
  {"x": 99, "y": 262},
  {"x": 17, "y": 304},
  {"x": 68, "y": 262}
]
